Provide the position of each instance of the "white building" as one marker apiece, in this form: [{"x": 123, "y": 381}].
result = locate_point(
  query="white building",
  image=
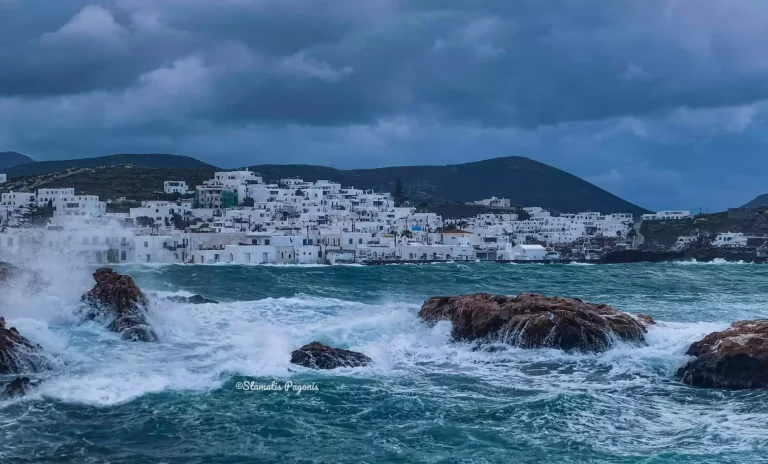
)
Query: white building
[
  {"x": 684, "y": 241},
  {"x": 17, "y": 200},
  {"x": 494, "y": 202},
  {"x": 162, "y": 212},
  {"x": 175, "y": 186},
  {"x": 3, "y": 178},
  {"x": 666, "y": 215},
  {"x": 529, "y": 252},
  {"x": 730, "y": 240}
]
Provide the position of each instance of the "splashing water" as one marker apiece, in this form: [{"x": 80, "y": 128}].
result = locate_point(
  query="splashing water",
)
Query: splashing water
[{"x": 425, "y": 399}]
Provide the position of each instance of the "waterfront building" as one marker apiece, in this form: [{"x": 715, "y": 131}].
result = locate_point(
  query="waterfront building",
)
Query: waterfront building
[{"x": 730, "y": 240}]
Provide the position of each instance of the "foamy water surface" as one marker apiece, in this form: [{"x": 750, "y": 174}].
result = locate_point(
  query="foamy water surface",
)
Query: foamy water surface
[{"x": 424, "y": 399}]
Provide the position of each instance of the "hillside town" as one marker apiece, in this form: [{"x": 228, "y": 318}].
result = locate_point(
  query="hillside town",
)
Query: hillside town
[{"x": 239, "y": 218}]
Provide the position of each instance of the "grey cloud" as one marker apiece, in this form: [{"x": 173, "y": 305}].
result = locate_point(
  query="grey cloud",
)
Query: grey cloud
[{"x": 607, "y": 90}]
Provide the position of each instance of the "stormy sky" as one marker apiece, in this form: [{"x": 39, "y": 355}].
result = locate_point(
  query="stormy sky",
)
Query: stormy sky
[{"x": 662, "y": 102}]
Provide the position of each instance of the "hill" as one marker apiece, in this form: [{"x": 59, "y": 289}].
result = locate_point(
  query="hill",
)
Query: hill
[
  {"x": 524, "y": 181},
  {"x": 11, "y": 158},
  {"x": 760, "y": 201},
  {"x": 154, "y": 160},
  {"x": 111, "y": 182}
]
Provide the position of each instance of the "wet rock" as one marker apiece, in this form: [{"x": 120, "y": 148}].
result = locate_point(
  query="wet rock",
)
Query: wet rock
[
  {"x": 117, "y": 297},
  {"x": 534, "y": 321},
  {"x": 645, "y": 319},
  {"x": 318, "y": 356},
  {"x": 736, "y": 358},
  {"x": 17, "y": 353},
  {"x": 20, "y": 386},
  {"x": 194, "y": 299}
]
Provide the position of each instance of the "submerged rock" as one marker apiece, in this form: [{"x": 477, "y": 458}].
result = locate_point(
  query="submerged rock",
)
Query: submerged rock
[
  {"x": 736, "y": 358},
  {"x": 17, "y": 353},
  {"x": 118, "y": 297},
  {"x": 318, "y": 356},
  {"x": 194, "y": 299},
  {"x": 534, "y": 321},
  {"x": 20, "y": 386}
]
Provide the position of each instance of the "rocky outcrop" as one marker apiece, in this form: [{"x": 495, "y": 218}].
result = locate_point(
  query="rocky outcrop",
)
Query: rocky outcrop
[
  {"x": 117, "y": 297},
  {"x": 534, "y": 321},
  {"x": 20, "y": 386},
  {"x": 318, "y": 356},
  {"x": 736, "y": 358},
  {"x": 645, "y": 319},
  {"x": 17, "y": 353},
  {"x": 194, "y": 299}
]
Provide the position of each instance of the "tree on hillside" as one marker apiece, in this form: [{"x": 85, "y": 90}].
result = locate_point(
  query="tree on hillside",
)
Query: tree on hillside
[
  {"x": 145, "y": 221},
  {"x": 399, "y": 193},
  {"x": 179, "y": 222},
  {"x": 37, "y": 216}
]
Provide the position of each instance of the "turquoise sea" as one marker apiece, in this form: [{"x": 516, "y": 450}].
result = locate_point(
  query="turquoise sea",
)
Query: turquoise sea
[{"x": 425, "y": 399}]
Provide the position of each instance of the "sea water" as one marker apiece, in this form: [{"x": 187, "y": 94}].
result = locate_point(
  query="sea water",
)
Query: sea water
[{"x": 424, "y": 398}]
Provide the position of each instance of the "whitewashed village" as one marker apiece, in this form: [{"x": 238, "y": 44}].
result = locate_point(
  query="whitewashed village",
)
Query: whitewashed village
[{"x": 238, "y": 218}]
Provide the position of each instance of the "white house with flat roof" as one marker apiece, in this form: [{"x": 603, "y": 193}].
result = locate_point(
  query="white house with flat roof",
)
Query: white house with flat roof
[
  {"x": 666, "y": 215},
  {"x": 730, "y": 240},
  {"x": 494, "y": 202},
  {"x": 175, "y": 186},
  {"x": 529, "y": 252}
]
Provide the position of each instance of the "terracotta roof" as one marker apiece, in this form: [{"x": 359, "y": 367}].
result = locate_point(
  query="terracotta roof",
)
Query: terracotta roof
[{"x": 456, "y": 231}]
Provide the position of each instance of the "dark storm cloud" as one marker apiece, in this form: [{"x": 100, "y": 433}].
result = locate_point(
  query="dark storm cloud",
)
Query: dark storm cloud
[{"x": 607, "y": 90}]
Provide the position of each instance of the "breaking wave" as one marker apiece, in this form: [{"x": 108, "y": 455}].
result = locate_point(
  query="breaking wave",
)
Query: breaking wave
[{"x": 472, "y": 403}]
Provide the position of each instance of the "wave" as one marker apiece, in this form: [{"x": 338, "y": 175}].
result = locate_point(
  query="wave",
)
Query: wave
[
  {"x": 714, "y": 262},
  {"x": 202, "y": 346},
  {"x": 607, "y": 398}
]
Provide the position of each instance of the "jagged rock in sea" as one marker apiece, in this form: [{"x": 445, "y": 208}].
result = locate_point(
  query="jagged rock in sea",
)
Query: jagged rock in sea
[
  {"x": 318, "y": 356},
  {"x": 118, "y": 297},
  {"x": 645, "y": 319},
  {"x": 736, "y": 358},
  {"x": 530, "y": 320},
  {"x": 17, "y": 353},
  {"x": 194, "y": 299},
  {"x": 19, "y": 386}
]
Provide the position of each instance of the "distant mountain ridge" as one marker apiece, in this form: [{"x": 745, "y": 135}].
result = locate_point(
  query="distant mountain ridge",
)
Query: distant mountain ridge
[
  {"x": 524, "y": 181},
  {"x": 151, "y": 160},
  {"x": 12, "y": 158},
  {"x": 760, "y": 201}
]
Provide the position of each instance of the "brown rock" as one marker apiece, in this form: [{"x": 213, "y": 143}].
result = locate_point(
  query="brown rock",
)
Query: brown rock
[
  {"x": 534, "y": 321},
  {"x": 645, "y": 319},
  {"x": 318, "y": 356},
  {"x": 17, "y": 353},
  {"x": 118, "y": 297},
  {"x": 736, "y": 358}
]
